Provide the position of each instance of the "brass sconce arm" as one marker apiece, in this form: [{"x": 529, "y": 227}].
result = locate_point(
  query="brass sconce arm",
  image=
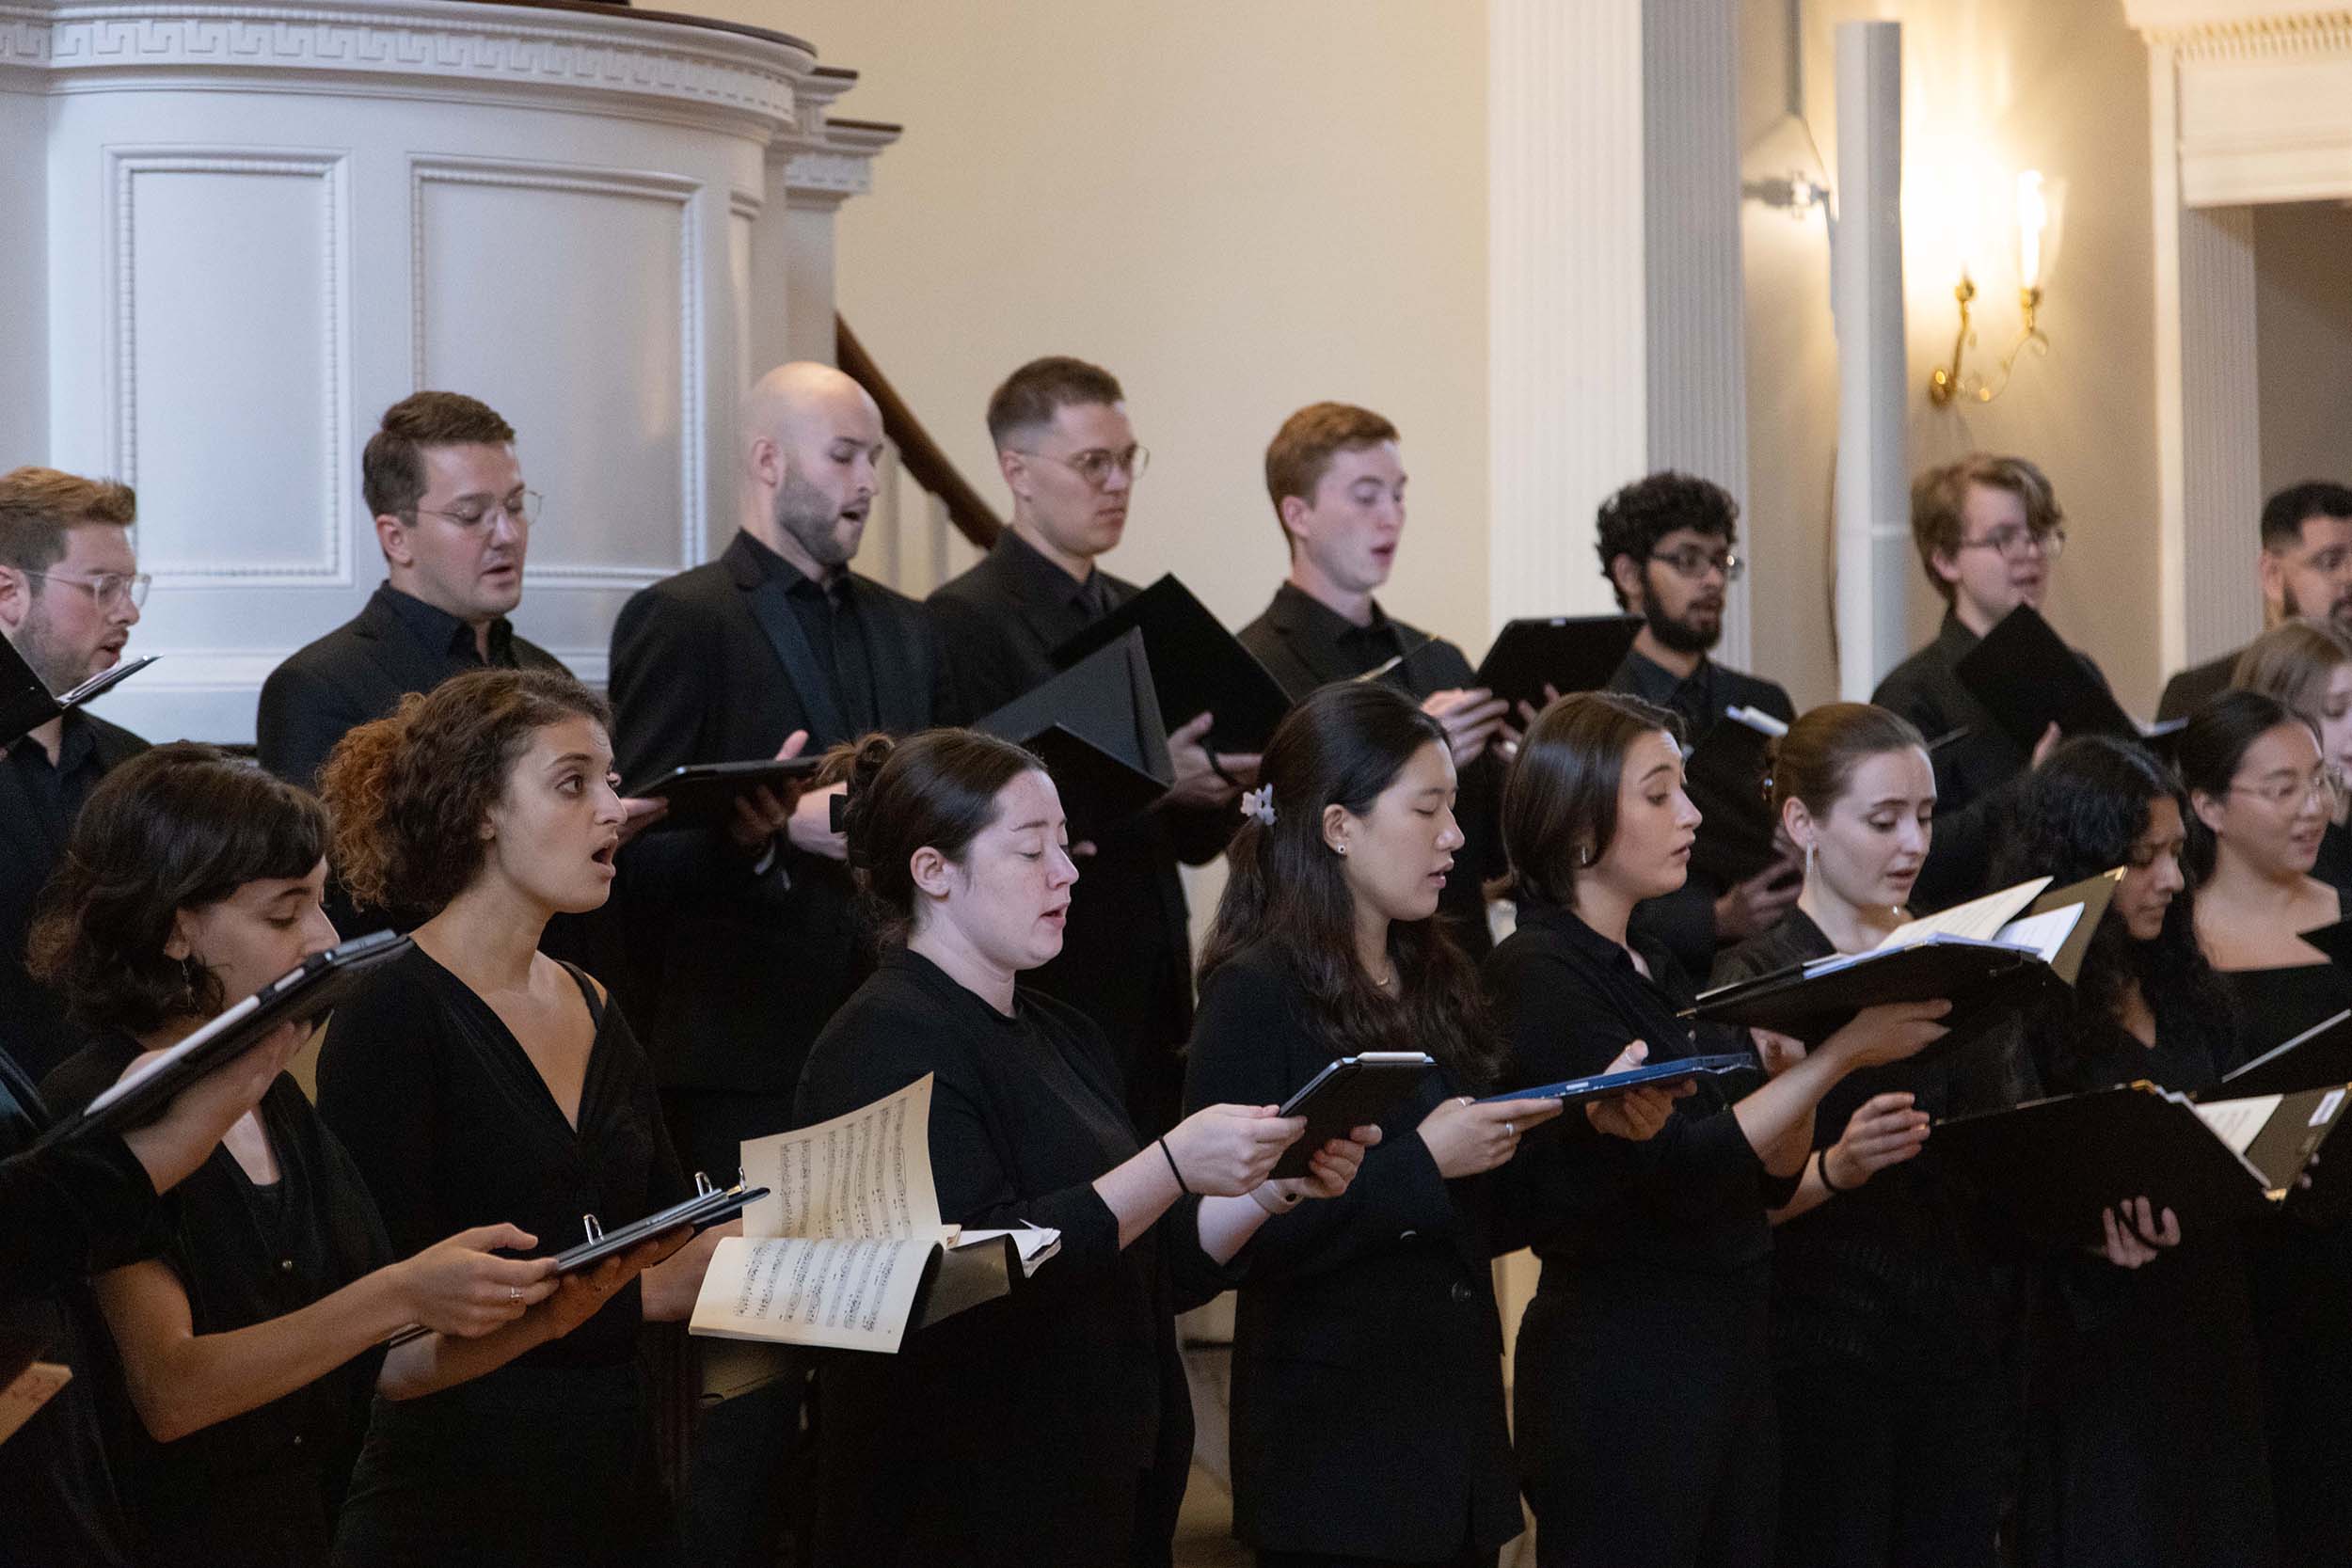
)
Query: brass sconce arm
[{"x": 1951, "y": 381}]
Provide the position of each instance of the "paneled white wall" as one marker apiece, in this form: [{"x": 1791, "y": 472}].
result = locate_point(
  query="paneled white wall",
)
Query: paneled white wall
[{"x": 252, "y": 233}]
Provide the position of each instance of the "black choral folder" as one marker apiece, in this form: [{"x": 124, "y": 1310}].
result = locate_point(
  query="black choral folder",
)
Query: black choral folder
[
  {"x": 1615, "y": 1085},
  {"x": 299, "y": 996},
  {"x": 1568, "y": 653},
  {"x": 1097, "y": 728},
  {"x": 2028, "y": 679},
  {"x": 703, "y": 795},
  {"x": 2051, "y": 1165},
  {"x": 1197, "y": 665},
  {"x": 1728, "y": 776},
  {"x": 2319, "y": 1057},
  {"x": 26, "y": 704},
  {"x": 1352, "y": 1092}
]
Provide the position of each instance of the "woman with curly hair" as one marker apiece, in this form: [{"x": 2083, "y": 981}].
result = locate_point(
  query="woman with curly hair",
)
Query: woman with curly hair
[
  {"x": 477, "y": 1078},
  {"x": 2143, "y": 1437},
  {"x": 250, "y": 1347}
]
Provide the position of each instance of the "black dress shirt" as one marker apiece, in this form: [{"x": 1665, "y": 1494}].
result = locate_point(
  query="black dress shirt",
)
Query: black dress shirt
[
  {"x": 1308, "y": 644},
  {"x": 38, "y": 804},
  {"x": 1978, "y": 769},
  {"x": 1126, "y": 957},
  {"x": 829, "y": 617},
  {"x": 263, "y": 1488},
  {"x": 1683, "y": 921},
  {"x": 1074, "y": 1376}
]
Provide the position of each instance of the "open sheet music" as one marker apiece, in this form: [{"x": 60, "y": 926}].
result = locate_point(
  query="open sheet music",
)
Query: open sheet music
[{"x": 848, "y": 1249}]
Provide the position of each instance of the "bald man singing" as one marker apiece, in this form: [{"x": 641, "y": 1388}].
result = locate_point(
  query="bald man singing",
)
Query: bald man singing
[{"x": 741, "y": 940}]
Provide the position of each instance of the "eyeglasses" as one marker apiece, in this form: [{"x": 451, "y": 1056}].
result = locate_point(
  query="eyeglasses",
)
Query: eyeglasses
[
  {"x": 1693, "y": 562},
  {"x": 2011, "y": 541},
  {"x": 2289, "y": 792},
  {"x": 522, "y": 511},
  {"x": 1096, "y": 464},
  {"x": 108, "y": 588}
]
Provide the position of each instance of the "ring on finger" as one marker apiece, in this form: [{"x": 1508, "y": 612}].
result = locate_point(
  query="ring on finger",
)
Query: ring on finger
[
  {"x": 514, "y": 1294},
  {"x": 1509, "y": 1131}
]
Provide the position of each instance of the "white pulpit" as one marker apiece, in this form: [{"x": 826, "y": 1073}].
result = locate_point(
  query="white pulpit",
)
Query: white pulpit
[{"x": 231, "y": 235}]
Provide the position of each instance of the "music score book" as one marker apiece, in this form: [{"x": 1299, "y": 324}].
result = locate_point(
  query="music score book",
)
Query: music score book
[
  {"x": 1568, "y": 653},
  {"x": 1352, "y": 1092},
  {"x": 1097, "y": 728},
  {"x": 2319, "y": 1057},
  {"x": 1727, "y": 776},
  {"x": 1197, "y": 665},
  {"x": 703, "y": 795},
  {"x": 2028, "y": 679},
  {"x": 26, "y": 704},
  {"x": 2051, "y": 1165},
  {"x": 1615, "y": 1085},
  {"x": 847, "y": 1250}
]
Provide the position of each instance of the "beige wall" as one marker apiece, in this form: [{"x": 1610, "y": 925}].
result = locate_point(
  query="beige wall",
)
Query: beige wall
[
  {"x": 2028, "y": 84},
  {"x": 2303, "y": 322},
  {"x": 1238, "y": 207}
]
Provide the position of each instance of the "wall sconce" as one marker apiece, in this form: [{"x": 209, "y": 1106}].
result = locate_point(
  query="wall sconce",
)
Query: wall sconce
[{"x": 2034, "y": 232}]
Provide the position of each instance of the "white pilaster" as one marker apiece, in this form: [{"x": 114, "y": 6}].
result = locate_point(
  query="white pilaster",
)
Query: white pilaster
[{"x": 2219, "y": 447}]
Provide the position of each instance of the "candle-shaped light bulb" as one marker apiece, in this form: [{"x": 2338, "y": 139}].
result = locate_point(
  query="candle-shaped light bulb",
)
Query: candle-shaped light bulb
[{"x": 2033, "y": 218}]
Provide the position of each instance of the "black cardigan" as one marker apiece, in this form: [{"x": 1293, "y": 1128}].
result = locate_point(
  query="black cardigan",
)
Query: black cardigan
[
  {"x": 1367, "y": 1401},
  {"x": 1019, "y": 1432}
]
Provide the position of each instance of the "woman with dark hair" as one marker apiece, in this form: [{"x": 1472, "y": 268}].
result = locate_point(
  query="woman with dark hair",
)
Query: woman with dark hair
[
  {"x": 1051, "y": 1427},
  {"x": 2308, "y": 666},
  {"x": 2262, "y": 794},
  {"x": 1643, "y": 1396},
  {"x": 2143, "y": 1435},
  {"x": 475, "y": 1077},
  {"x": 249, "y": 1347},
  {"x": 1367, "y": 1392},
  {"x": 1877, "y": 1280}
]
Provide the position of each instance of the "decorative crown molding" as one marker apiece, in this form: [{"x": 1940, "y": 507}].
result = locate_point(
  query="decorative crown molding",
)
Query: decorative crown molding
[
  {"x": 2243, "y": 30},
  {"x": 493, "y": 48}
]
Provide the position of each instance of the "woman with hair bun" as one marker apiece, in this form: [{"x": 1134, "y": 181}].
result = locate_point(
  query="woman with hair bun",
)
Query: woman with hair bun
[
  {"x": 1053, "y": 1426},
  {"x": 476, "y": 1078},
  {"x": 1878, "y": 1280},
  {"x": 250, "y": 1346},
  {"x": 1368, "y": 1424}
]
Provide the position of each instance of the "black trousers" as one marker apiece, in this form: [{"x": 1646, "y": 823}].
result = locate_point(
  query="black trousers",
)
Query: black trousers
[{"x": 1646, "y": 1422}]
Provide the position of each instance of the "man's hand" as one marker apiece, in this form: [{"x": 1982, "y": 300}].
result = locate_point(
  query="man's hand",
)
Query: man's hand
[
  {"x": 1203, "y": 779},
  {"x": 1473, "y": 716},
  {"x": 761, "y": 815},
  {"x": 1754, "y": 907}
]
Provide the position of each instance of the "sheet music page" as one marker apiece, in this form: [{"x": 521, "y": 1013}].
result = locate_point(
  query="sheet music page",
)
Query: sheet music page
[
  {"x": 866, "y": 1174},
  {"x": 1980, "y": 919},
  {"x": 847, "y": 1293},
  {"x": 2235, "y": 1122},
  {"x": 2045, "y": 933}
]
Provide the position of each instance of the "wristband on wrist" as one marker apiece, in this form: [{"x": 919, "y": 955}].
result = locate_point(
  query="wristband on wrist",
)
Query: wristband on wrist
[
  {"x": 1823, "y": 1158},
  {"x": 1180, "y": 1174}
]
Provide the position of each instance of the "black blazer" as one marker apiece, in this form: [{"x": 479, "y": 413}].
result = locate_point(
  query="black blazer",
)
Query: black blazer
[
  {"x": 1126, "y": 957},
  {"x": 1978, "y": 769},
  {"x": 1017, "y": 1432},
  {"x": 1367, "y": 1395},
  {"x": 2192, "y": 688},
  {"x": 732, "y": 974},
  {"x": 353, "y": 675}
]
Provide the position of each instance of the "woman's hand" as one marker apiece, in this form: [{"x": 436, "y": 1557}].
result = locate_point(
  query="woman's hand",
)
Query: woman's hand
[
  {"x": 2133, "y": 1236},
  {"x": 1328, "y": 1173},
  {"x": 1225, "y": 1150},
  {"x": 1884, "y": 1131},
  {"x": 1888, "y": 1034},
  {"x": 173, "y": 1146},
  {"x": 458, "y": 1288},
  {"x": 1777, "y": 1053},
  {"x": 1467, "y": 1137},
  {"x": 580, "y": 1296},
  {"x": 1636, "y": 1117}
]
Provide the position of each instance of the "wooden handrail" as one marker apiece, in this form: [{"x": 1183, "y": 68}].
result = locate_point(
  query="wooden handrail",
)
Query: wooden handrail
[{"x": 921, "y": 456}]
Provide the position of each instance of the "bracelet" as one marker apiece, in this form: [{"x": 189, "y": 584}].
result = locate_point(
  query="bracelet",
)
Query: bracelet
[
  {"x": 1172, "y": 1168},
  {"x": 1218, "y": 768},
  {"x": 1823, "y": 1159},
  {"x": 1283, "y": 1202}
]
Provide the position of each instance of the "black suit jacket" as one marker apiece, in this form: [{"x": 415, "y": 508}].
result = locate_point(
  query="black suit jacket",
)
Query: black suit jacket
[
  {"x": 353, "y": 675},
  {"x": 1367, "y": 1399},
  {"x": 2190, "y": 689},
  {"x": 1298, "y": 640},
  {"x": 1126, "y": 957},
  {"x": 1978, "y": 769},
  {"x": 733, "y": 974}
]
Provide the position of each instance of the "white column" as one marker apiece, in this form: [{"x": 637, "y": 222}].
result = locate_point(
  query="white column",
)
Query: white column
[
  {"x": 807, "y": 183},
  {"x": 1866, "y": 275}
]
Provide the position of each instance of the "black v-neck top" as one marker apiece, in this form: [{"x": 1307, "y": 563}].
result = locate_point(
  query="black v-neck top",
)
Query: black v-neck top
[
  {"x": 453, "y": 1127},
  {"x": 263, "y": 1486}
]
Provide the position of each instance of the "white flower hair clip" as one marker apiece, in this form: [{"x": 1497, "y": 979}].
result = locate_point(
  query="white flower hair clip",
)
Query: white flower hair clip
[{"x": 1259, "y": 802}]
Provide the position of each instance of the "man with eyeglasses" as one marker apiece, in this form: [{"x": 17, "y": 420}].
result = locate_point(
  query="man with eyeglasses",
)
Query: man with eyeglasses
[
  {"x": 1665, "y": 545},
  {"x": 453, "y": 518},
  {"x": 69, "y": 593},
  {"x": 1988, "y": 529},
  {"x": 1337, "y": 482},
  {"x": 2304, "y": 569},
  {"x": 1069, "y": 457}
]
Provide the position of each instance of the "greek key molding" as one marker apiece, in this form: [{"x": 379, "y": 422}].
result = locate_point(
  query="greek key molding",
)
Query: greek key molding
[
  {"x": 730, "y": 74},
  {"x": 125, "y": 167}
]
